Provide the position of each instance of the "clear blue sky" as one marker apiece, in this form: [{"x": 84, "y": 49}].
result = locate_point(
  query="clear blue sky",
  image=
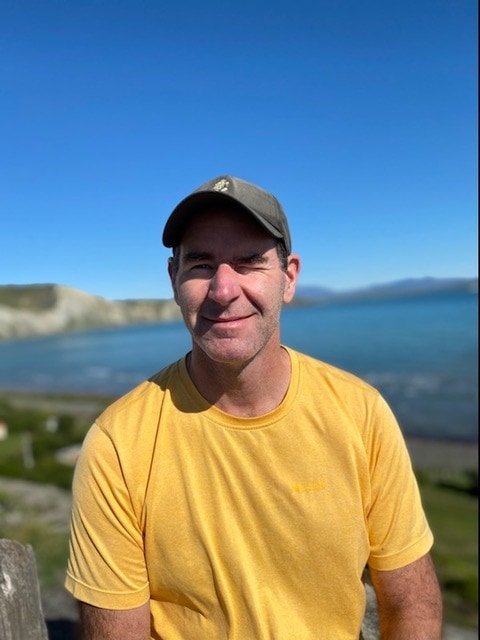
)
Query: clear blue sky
[{"x": 360, "y": 116}]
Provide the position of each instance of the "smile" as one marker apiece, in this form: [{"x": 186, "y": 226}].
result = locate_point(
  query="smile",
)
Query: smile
[{"x": 227, "y": 320}]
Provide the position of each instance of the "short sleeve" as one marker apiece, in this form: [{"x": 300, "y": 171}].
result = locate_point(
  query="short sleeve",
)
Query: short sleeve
[
  {"x": 398, "y": 530},
  {"x": 106, "y": 566}
]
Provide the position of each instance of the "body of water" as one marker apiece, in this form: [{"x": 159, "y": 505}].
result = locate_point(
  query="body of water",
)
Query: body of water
[{"x": 420, "y": 352}]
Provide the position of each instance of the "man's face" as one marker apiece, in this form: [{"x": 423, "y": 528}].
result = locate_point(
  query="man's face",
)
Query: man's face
[{"x": 230, "y": 285}]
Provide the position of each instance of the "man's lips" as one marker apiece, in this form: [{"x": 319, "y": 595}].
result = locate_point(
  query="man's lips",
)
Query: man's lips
[{"x": 226, "y": 319}]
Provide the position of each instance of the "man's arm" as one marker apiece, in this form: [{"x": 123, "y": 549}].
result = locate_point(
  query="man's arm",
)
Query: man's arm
[
  {"x": 107, "y": 624},
  {"x": 409, "y": 601}
]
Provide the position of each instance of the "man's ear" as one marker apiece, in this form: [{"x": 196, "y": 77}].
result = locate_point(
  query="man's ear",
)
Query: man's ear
[
  {"x": 172, "y": 275},
  {"x": 291, "y": 277}
]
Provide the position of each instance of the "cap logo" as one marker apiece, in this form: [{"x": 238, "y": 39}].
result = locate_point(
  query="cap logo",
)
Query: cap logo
[{"x": 221, "y": 185}]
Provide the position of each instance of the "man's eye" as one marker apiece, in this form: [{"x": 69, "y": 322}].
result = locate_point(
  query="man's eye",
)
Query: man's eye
[
  {"x": 250, "y": 265},
  {"x": 201, "y": 266},
  {"x": 244, "y": 268}
]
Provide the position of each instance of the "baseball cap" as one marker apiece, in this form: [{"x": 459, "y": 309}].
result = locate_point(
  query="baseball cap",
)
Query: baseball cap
[{"x": 257, "y": 202}]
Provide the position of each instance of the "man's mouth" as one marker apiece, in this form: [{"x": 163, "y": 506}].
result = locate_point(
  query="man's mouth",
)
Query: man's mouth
[{"x": 226, "y": 319}]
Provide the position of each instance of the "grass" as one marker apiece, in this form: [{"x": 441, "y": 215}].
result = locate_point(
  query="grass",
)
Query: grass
[
  {"x": 50, "y": 548},
  {"x": 453, "y": 517},
  {"x": 49, "y": 544}
]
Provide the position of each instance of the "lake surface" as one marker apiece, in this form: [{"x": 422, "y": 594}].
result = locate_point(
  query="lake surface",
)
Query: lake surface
[{"x": 420, "y": 352}]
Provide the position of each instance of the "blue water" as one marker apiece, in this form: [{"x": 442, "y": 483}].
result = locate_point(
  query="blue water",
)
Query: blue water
[{"x": 421, "y": 353}]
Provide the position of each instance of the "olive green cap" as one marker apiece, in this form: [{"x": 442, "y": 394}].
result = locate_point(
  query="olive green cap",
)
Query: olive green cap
[{"x": 257, "y": 202}]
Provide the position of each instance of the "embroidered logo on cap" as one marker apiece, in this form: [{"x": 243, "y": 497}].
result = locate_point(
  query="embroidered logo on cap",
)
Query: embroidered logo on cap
[{"x": 221, "y": 185}]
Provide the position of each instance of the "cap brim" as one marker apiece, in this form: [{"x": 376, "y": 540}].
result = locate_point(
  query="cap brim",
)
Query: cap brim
[{"x": 187, "y": 208}]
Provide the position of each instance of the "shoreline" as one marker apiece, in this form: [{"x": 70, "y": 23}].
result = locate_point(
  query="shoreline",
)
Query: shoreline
[
  {"x": 426, "y": 453},
  {"x": 453, "y": 455}
]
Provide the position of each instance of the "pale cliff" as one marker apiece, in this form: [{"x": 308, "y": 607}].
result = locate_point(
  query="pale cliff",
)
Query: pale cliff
[{"x": 34, "y": 310}]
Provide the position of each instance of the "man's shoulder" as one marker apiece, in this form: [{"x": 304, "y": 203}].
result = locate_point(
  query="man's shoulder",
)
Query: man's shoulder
[
  {"x": 338, "y": 390},
  {"x": 314, "y": 368},
  {"x": 143, "y": 400}
]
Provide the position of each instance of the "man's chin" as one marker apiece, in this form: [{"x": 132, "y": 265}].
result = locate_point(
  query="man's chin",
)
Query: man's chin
[{"x": 227, "y": 351}]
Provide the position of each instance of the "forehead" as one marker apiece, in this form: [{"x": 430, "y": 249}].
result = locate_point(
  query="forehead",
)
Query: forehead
[{"x": 225, "y": 223}]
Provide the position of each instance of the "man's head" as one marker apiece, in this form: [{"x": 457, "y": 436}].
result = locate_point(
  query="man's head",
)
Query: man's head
[
  {"x": 234, "y": 195},
  {"x": 231, "y": 271}
]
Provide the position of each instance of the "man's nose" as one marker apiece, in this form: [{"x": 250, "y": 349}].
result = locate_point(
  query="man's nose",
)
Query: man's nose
[{"x": 224, "y": 285}]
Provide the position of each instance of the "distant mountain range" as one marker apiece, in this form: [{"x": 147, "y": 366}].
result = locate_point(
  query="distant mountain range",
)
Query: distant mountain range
[
  {"x": 45, "y": 309},
  {"x": 395, "y": 289}
]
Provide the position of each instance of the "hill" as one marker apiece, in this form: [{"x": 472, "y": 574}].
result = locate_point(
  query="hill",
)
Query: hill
[
  {"x": 396, "y": 289},
  {"x": 45, "y": 309}
]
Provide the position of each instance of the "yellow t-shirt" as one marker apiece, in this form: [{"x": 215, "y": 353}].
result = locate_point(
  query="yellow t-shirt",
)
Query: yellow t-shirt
[{"x": 244, "y": 528}]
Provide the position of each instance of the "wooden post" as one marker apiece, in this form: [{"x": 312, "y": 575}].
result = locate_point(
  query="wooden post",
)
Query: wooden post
[{"x": 21, "y": 616}]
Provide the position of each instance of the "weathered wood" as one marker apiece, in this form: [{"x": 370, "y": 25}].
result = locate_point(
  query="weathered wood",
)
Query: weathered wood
[{"x": 21, "y": 616}]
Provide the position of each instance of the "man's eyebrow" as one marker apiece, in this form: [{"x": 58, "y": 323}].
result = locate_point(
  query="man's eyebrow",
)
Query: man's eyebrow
[
  {"x": 194, "y": 256},
  {"x": 249, "y": 258},
  {"x": 253, "y": 258}
]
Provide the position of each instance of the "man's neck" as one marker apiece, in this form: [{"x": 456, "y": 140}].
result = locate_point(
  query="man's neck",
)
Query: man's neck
[{"x": 247, "y": 390}]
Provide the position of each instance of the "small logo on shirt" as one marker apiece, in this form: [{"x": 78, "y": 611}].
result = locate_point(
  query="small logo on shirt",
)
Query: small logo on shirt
[{"x": 308, "y": 486}]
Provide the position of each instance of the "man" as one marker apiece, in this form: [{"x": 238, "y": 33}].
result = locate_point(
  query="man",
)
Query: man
[{"x": 240, "y": 493}]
